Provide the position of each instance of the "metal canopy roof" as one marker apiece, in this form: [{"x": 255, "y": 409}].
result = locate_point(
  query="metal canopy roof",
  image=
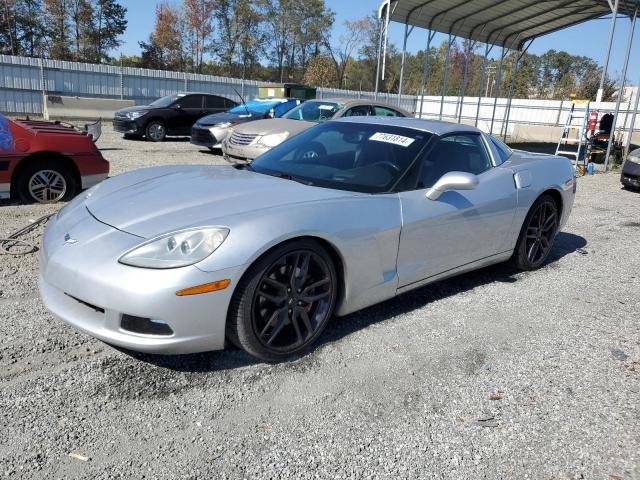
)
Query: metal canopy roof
[{"x": 507, "y": 23}]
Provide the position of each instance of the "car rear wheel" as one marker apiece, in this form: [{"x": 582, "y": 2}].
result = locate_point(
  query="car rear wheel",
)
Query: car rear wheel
[
  {"x": 155, "y": 131},
  {"x": 284, "y": 301},
  {"x": 537, "y": 235},
  {"x": 46, "y": 183}
]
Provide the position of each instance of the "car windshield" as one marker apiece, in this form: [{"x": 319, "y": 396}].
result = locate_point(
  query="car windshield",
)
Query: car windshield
[
  {"x": 359, "y": 157},
  {"x": 165, "y": 101},
  {"x": 256, "y": 106},
  {"x": 313, "y": 111}
]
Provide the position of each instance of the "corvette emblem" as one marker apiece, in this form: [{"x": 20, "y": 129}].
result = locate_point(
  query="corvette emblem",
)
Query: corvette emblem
[{"x": 69, "y": 240}]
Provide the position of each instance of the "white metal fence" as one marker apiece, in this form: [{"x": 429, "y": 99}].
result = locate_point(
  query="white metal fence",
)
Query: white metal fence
[
  {"x": 548, "y": 113},
  {"x": 23, "y": 81}
]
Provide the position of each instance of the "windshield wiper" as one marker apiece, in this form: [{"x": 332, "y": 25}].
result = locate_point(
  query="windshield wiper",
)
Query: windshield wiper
[
  {"x": 288, "y": 176},
  {"x": 243, "y": 166}
]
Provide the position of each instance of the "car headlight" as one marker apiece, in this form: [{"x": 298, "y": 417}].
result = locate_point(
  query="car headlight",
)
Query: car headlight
[
  {"x": 274, "y": 139},
  {"x": 134, "y": 115},
  {"x": 176, "y": 249},
  {"x": 633, "y": 159},
  {"x": 223, "y": 125}
]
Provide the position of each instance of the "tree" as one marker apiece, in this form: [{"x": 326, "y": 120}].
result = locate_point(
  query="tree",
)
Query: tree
[
  {"x": 165, "y": 49},
  {"x": 320, "y": 72},
  {"x": 56, "y": 18},
  {"x": 108, "y": 23},
  {"x": 198, "y": 17},
  {"x": 348, "y": 43},
  {"x": 80, "y": 13},
  {"x": 251, "y": 35}
]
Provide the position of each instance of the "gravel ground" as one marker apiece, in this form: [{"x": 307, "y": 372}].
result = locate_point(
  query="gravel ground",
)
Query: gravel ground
[{"x": 493, "y": 374}]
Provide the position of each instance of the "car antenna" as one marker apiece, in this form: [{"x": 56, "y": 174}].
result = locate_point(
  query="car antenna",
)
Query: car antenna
[{"x": 244, "y": 103}]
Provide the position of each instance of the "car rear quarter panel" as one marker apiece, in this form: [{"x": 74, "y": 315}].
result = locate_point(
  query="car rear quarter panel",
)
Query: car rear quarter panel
[
  {"x": 535, "y": 174},
  {"x": 362, "y": 229}
]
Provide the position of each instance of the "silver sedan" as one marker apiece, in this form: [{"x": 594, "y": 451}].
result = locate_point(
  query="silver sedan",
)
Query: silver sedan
[{"x": 177, "y": 259}]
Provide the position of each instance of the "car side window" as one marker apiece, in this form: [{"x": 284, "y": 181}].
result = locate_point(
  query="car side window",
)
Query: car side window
[
  {"x": 461, "y": 152},
  {"x": 284, "y": 107},
  {"x": 212, "y": 101},
  {"x": 358, "y": 111},
  {"x": 190, "y": 101},
  {"x": 500, "y": 151},
  {"x": 385, "y": 112}
]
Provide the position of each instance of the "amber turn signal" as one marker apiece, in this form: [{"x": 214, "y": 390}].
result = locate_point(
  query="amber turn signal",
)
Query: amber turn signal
[{"x": 204, "y": 288}]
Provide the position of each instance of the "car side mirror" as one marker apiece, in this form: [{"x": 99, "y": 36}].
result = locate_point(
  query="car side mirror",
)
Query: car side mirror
[
  {"x": 453, "y": 181},
  {"x": 177, "y": 106},
  {"x": 272, "y": 113}
]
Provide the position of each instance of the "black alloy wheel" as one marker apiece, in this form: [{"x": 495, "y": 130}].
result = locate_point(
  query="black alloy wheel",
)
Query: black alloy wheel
[
  {"x": 285, "y": 302},
  {"x": 537, "y": 235}
]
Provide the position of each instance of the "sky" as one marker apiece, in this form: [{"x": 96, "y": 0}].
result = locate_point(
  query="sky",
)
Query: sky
[{"x": 589, "y": 38}]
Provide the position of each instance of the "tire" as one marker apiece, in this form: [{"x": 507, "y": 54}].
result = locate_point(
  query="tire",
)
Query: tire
[
  {"x": 155, "y": 131},
  {"x": 537, "y": 234},
  {"x": 276, "y": 312},
  {"x": 46, "y": 182}
]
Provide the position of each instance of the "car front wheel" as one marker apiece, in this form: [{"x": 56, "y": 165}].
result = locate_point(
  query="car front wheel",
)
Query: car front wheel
[
  {"x": 284, "y": 301},
  {"x": 155, "y": 131}
]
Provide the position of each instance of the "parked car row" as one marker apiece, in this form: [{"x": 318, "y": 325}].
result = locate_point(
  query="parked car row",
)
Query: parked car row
[{"x": 243, "y": 131}]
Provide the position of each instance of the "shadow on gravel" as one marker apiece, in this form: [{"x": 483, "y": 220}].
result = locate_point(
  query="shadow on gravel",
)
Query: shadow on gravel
[
  {"x": 565, "y": 244},
  {"x": 231, "y": 358}
]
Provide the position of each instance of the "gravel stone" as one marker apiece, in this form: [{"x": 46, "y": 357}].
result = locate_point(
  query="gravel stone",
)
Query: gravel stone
[{"x": 492, "y": 374}]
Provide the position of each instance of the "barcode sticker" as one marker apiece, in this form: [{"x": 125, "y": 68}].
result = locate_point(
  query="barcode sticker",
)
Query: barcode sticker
[{"x": 391, "y": 138}]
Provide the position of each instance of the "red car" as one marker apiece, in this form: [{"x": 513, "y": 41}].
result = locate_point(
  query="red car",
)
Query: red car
[{"x": 47, "y": 161}]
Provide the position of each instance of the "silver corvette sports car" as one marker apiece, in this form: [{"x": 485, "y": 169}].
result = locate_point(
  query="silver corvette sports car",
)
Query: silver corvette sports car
[{"x": 177, "y": 259}]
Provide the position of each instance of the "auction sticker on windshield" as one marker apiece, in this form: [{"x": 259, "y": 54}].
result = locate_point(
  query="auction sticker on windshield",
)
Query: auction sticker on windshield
[{"x": 391, "y": 138}]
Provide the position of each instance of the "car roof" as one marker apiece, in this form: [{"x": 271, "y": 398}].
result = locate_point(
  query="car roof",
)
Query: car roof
[
  {"x": 354, "y": 102},
  {"x": 432, "y": 126}
]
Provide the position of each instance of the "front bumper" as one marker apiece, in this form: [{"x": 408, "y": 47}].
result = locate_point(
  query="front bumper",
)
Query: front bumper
[
  {"x": 83, "y": 284},
  {"x": 630, "y": 175},
  {"x": 233, "y": 152},
  {"x": 210, "y": 137},
  {"x": 127, "y": 126}
]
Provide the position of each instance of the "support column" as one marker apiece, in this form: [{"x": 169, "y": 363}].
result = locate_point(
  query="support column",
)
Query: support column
[
  {"x": 483, "y": 74},
  {"x": 498, "y": 83},
  {"x": 514, "y": 74},
  {"x": 612, "y": 28},
  {"x": 375, "y": 94},
  {"x": 621, "y": 90},
  {"x": 445, "y": 77},
  {"x": 404, "y": 53},
  {"x": 463, "y": 87},
  {"x": 425, "y": 70},
  {"x": 386, "y": 37},
  {"x": 633, "y": 119}
]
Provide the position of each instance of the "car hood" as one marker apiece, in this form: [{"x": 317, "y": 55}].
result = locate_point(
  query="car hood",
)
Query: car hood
[
  {"x": 152, "y": 201},
  {"x": 135, "y": 108},
  {"x": 274, "y": 125},
  {"x": 216, "y": 118}
]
